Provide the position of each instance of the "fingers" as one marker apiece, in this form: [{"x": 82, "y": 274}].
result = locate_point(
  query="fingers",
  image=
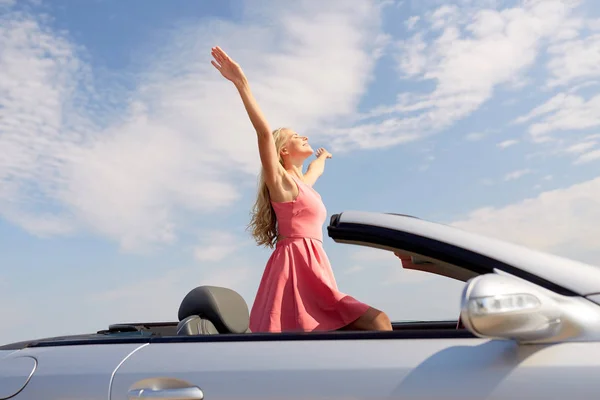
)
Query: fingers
[
  {"x": 217, "y": 66},
  {"x": 222, "y": 53},
  {"x": 217, "y": 57},
  {"x": 321, "y": 150},
  {"x": 219, "y": 54}
]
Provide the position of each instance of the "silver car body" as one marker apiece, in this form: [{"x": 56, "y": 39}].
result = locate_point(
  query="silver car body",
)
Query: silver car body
[{"x": 503, "y": 354}]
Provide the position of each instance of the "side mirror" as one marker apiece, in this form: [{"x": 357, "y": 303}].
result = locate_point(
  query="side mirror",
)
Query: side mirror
[{"x": 504, "y": 307}]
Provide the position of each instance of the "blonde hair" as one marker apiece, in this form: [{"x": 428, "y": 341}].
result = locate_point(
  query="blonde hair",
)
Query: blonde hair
[{"x": 264, "y": 221}]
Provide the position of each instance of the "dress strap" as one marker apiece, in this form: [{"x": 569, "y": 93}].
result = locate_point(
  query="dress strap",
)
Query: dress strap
[{"x": 298, "y": 180}]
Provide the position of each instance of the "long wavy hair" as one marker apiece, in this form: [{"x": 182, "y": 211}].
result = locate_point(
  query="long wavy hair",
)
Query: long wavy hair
[{"x": 263, "y": 223}]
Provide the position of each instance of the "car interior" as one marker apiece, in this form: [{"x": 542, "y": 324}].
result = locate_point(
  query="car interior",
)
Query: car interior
[{"x": 213, "y": 310}]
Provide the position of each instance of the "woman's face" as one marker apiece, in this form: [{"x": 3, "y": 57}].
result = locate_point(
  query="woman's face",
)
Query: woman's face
[{"x": 297, "y": 146}]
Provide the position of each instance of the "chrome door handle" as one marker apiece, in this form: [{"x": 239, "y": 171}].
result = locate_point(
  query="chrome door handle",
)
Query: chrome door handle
[{"x": 186, "y": 393}]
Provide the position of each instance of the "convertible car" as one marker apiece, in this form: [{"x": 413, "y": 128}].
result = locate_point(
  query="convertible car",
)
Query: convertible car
[{"x": 530, "y": 329}]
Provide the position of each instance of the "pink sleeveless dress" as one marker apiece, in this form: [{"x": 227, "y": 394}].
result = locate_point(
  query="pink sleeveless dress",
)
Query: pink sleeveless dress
[{"x": 298, "y": 291}]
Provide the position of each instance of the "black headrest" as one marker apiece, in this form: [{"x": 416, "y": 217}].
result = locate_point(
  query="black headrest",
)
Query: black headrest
[{"x": 225, "y": 308}]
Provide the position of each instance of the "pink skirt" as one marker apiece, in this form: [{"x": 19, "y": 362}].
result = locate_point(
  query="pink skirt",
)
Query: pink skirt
[{"x": 298, "y": 292}]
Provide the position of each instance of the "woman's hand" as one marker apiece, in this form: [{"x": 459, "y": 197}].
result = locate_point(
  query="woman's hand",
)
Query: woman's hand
[
  {"x": 404, "y": 260},
  {"x": 316, "y": 167},
  {"x": 407, "y": 262},
  {"x": 322, "y": 152},
  {"x": 226, "y": 66}
]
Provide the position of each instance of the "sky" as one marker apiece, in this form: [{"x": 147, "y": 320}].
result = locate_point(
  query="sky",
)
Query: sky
[{"x": 128, "y": 166}]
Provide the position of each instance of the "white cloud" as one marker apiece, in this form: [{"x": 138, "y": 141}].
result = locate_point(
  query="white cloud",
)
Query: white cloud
[
  {"x": 588, "y": 157},
  {"x": 552, "y": 104},
  {"x": 444, "y": 16},
  {"x": 514, "y": 175},
  {"x": 586, "y": 84},
  {"x": 507, "y": 143},
  {"x": 574, "y": 60},
  {"x": 42, "y": 225},
  {"x": 563, "y": 112},
  {"x": 412, "y": 22},
  {"x": 133, "y": 172},
  {"x": 563, "y": 221},
  {"x": 36, "y": 79},
  {"x": 122, "y": 181},
  {"x": 593, "y": 24},
  {"x": 476, "y": 51},
  {"x": 581, "y": 147},
  {"x": 576, "y": 113}
]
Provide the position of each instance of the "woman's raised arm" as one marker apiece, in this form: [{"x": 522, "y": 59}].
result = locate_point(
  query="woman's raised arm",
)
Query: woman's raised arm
[{"x": 273, "y": 171}]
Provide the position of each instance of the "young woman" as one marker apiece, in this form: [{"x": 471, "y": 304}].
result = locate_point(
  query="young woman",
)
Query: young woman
[{"x": 298, "y": 291}]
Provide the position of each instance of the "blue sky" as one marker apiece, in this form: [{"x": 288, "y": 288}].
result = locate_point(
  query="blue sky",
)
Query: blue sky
[{"x": 128, "y": 166}]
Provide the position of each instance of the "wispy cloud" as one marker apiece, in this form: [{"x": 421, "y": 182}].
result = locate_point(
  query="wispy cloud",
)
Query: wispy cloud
[
  {"x": 561, "y": 221},
  {"x": 576, "y": 60},
  {"x": 507, "y": 143},
  {"x": 473, "y": 51},
  {"x": 70, "y": 162},
  {"x": 581, "y": 147},
  {"x": 514, "y": 175},
  {"x": 573, "y": 61},
  {"x": 563, "y": 112},
  {"x": 588, "y": 157},
  {"x": 412, "y": 22}
]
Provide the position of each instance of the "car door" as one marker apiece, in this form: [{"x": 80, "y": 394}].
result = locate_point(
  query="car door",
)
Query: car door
[
  {"x": 410, "y": 366},
  {"x": 60, "y": 370},
  {"x": 309, "y": 366}
]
